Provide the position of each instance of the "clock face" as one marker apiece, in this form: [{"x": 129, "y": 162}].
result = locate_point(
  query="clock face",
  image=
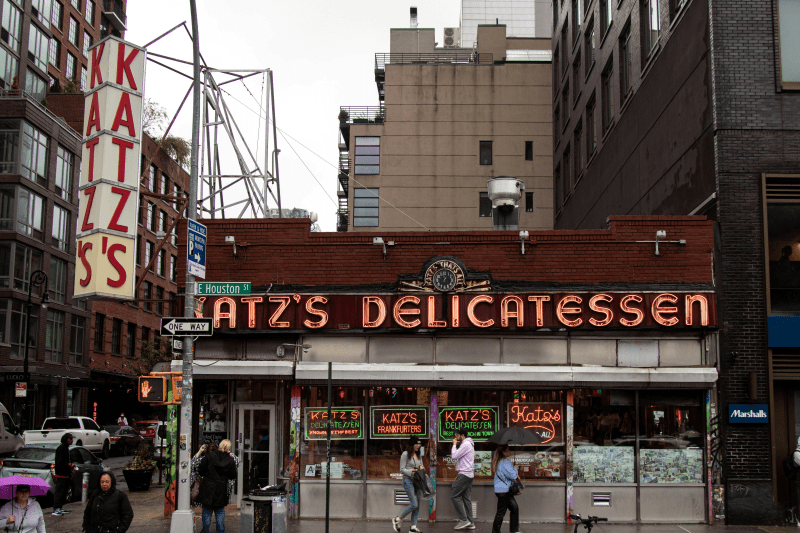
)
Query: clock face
[{"x": 444, "y": 280}]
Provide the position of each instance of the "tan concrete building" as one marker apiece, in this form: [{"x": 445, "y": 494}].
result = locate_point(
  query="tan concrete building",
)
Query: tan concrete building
[{"x": 449, "y": 119}]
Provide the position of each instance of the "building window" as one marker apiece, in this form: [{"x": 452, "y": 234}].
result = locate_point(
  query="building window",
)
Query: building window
[
  {"x": 153, "y": 218},
  {"x": 116, "y": 336},
  {"x": 42, "y": 10},
  {"x": 173, "y": 311},
  {"x": 606, "y": 15},
  {"x": 578, "y": 144},
  {"x": 565, "y": 165},
  {"x": 161, "y": 263},
  {"x": 76, "y": 4},
  {"x": 529, "y": 202},
  {"x": 57, "y": 18},
  {"x": 7, "y": 215},
  {"x": 675, "y": 6},
  {"x": 55, "y": 52},
  {"x": 130, "y": 340},
  {"x": 90, "y": 12},
  {"x": 789, "y": 14},
  {"x": 54, "y": 336},
  {"x": 9, "y": 67},
  {"x": 138, "y": 249},
  {"x": 367, "y": 158},
  {"x": 150, "y": 211},
  {"x": 18, "y": 334},
  {"x": 34, "y": 154},
  {"x": 9, "y": 145},
  {"x": 26, "y": 261},
  {"x": 38, "y": 47},
  {"x": 162, "y": 222},
  {"x": 145, "y": 334},
  {"x": 591, "y": 136},
  {"x": 159, "y": 296},
  {"x": 565, "y": 105},
  {"x": 485, "y": 148},
  {"x": 625, "y": 63},
  {"x": 173, "y": 236},
  {"x": 588, "y": 46},
  {"x": 153, "y": 181},
  {"x": 607, "y": 87},
  {"x": 87, "y": 42},
  {"x": 60, "y": 228},
  {"x": 57, "y": 282},
  {"x": 142, "y": 209},
  {"x": 30, "y": 214},
  {"x": 72, "y": 32},
  {"x": 783, "y": 235},
  {"x": 528, "y": 150},
  {"x": 366, "y": 207},
  {"x": 484, "y": 205},
  {"x": 148, "y": 295},
  {"x": 148, "y": 252},
  {"x": 576, "y": 18},
  {"x": 99, "y": 332},
  {"x": 576, "y": 77},
  {"x": 173, "y": 269},
  {"x": 556, "y": 65},
  {"x": 65, "y": 162},
  {"x": 35, "y": 86},
  {"x": 77, "y": 332},
  {"x": 565, "y": 53},
  {"x": 69, "y": 72},
  {"x": 559, "y": 187},
  {"x": 164, "y": 183},
  {"x": 650, "y": 26},
  {"x": 11, "y": 31},
  {"x": 556, "y": 124}
]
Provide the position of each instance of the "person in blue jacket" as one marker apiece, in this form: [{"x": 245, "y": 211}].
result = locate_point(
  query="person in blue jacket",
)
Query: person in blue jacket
[{"x": 504, "y": 475}]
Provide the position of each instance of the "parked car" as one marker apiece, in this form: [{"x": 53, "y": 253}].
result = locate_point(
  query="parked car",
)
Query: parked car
[
  {"x": 85, "y": 433},
  {"x": 10, "y": 434},
  {"x": 147, "y": 429},
  {"x": 39, "y": 461},
  {"x": 124, "y": 439}
]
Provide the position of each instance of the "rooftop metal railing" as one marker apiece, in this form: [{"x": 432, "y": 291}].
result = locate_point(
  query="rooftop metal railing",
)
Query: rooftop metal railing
[
  {"x": 362, "y": 115},
  {"x": 437, "y": 58}
]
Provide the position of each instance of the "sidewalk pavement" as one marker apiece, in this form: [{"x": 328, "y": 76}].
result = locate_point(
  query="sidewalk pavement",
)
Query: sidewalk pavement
[{"x": 148, "y": 509}]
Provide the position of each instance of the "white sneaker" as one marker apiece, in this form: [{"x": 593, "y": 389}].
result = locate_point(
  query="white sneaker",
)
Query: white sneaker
[
  {"x": 396, "y": 523},
  {"x": 470, "y": 526},
  {"x": 462, "y": 525},
  {"x": 415, "y": 529}
]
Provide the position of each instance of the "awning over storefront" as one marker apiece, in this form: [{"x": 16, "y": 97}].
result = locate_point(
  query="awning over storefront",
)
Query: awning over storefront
[
  {"x": 505, "y": 374},
  {"x": 239, "y": 369}
]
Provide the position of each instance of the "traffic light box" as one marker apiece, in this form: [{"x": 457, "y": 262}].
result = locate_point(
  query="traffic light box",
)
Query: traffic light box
[{"x": 152, "y": 389}]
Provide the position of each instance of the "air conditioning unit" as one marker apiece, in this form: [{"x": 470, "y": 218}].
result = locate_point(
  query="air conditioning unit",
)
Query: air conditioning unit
[{"x": 451, "y": 37}]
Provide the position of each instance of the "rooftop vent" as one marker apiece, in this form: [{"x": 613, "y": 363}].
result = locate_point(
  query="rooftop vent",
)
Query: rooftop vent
[
  {"x": 505, "y": 192},
  {"x": 413, "y": 17}
]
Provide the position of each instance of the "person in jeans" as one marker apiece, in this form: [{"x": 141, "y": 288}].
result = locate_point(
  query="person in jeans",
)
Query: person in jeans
[
  {"x": 461, "y": 493},
  {"x": 216, "y": 468},
  {"x": 62, "y": 474},
  {"x": 504, "y": 475},
  {"x": 410, "y": 462}
]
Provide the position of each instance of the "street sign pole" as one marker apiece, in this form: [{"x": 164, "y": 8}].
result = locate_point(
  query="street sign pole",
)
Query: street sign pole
[{"x": 183, "y": 517}]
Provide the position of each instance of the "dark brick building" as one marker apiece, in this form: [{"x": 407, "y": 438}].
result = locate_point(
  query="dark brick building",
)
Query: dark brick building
[{"x": 690, "y": 107}]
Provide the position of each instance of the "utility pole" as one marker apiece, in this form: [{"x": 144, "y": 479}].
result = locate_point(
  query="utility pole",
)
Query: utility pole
[{"x": 183, "y": 517}]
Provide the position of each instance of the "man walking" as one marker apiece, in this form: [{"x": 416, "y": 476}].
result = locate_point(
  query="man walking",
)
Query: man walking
[
  {"x": 62, "y": 474},
  {"x": 464, "y": 453}
]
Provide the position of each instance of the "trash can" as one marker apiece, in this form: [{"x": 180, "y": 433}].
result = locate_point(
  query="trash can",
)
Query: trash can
[{"x": 263, "y": 512}]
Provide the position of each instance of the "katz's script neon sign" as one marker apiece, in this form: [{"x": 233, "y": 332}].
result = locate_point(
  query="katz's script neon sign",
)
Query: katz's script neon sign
[
  {"x": 544, "y": 419},
  {"x": 342, "y": 311}
]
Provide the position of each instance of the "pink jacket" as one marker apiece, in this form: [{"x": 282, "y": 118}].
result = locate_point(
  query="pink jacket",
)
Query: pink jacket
[{"x": 465, "y": 457}]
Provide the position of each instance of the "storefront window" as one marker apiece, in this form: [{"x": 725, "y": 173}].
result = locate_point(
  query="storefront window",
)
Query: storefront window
[
  {"x": 481, "y": 413},
  {"x": 670, "y": 437},
  {"x": 389, "y": 430},
  {"x": 543, "y": 413},
  {"x": 347, "y": 437},
  {"x": 604, "y": 436}
]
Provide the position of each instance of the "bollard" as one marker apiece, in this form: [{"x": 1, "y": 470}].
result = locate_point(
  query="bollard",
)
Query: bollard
[{"x": 85, "y": 487}]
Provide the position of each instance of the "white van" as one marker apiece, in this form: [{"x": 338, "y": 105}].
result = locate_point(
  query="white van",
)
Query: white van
[{"x": 10, "y": 435}]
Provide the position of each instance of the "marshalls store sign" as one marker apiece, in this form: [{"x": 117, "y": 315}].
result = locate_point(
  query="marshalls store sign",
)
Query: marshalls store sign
[
  {"x": 109, "y": 185},
  {"x": 739, "y": 413}
]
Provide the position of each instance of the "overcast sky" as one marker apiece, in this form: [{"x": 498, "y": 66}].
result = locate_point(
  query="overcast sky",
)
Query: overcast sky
[{"x": 321, "y": 54}]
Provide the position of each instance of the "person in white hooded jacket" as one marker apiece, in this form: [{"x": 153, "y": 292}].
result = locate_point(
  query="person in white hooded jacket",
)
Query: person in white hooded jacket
[{"x": 461, "y": 493}]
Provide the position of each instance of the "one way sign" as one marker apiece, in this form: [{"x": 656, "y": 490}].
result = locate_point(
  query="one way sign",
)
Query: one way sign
[{"x": 186, "y": 327}]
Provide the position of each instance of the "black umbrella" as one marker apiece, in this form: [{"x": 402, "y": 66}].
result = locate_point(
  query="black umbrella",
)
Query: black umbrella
[{"x": 515, "y": 435}]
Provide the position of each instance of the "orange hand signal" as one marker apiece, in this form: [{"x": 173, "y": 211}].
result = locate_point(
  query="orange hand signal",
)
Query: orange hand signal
[{"x": 146, "y": 388}]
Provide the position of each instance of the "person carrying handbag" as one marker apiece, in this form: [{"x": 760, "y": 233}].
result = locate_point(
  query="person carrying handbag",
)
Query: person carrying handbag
[
  {"x": 507, "y": 484},
  {"x": 410, "y": 464}
]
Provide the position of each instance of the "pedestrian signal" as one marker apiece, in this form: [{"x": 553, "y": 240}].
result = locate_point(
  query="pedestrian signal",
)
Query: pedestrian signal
[{"x": 152, "y": 389}]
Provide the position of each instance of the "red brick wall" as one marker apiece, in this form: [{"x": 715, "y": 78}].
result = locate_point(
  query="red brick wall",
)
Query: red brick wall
[
  {"x": 68, "y": 106},
  {"x": 283, "y": 251}
]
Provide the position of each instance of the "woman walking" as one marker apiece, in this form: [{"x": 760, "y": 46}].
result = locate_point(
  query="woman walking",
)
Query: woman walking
[
  {"x": 216, "y": 468},
  {"x": 505, "y": 475},
  {"x": 22, "y": 514},
  {"x": 410, "y": 462},
  {"x": 108, "y": 509}
]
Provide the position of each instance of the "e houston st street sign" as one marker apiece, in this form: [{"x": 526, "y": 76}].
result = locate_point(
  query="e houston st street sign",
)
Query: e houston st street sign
[{"x": 186, "y": 327}]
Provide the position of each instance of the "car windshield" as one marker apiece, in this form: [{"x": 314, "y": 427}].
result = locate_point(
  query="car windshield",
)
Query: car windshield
[
  {"x": 61, "y": 423},
  {"x": 112, "y": 430},
  {"x": 36, "y": 454}
]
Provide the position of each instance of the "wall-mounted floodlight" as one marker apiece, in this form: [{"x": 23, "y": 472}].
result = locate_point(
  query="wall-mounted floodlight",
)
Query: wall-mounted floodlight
[{"x": 230, "y": 239}]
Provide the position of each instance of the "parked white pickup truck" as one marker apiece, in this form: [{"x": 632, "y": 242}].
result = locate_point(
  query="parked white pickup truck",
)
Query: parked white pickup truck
[{"x": 85, "y": 432}]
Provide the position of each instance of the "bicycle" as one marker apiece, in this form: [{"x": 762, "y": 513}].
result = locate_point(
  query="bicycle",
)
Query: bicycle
[{"x": 588, "y": 522}]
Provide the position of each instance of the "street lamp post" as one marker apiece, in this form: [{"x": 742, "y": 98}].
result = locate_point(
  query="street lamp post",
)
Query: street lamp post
[{"x": 37, "y": 279}]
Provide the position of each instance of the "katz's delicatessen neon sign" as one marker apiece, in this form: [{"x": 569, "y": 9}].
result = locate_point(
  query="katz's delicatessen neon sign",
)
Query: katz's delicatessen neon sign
[{"x": 473, "y": 311}]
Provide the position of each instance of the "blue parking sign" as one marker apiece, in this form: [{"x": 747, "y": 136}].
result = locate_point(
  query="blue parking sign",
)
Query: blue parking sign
[{"x": 196, "y": 249}]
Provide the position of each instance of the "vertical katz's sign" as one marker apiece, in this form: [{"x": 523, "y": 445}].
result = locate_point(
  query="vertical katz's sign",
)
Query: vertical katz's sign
[{"x": 109, "y": 185}]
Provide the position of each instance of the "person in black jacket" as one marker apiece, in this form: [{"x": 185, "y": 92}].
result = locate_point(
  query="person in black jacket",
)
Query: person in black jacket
[
  {"x": 108, "y": 510},
  {"x": 62, "y": 474},
  {"x": 216, "y": 468},
  {"x": 260, "y": 461}
]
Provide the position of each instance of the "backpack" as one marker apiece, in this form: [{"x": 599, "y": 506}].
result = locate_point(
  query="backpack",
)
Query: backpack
[{"x": 790, "y": 468}]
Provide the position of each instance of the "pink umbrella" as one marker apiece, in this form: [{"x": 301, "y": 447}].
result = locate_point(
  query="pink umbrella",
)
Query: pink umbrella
[{"x": 8, "y": 486}]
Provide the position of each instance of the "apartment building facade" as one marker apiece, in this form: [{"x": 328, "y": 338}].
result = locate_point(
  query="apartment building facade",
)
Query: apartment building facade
[{"x": 678, "y": 107}]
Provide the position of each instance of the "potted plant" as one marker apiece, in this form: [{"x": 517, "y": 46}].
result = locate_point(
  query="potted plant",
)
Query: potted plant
[
  {"x": 343, "y": 116},
  {"x": 139, "y": 472}
]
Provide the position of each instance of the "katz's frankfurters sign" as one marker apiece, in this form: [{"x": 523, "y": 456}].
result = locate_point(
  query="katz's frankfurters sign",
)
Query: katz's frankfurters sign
[{"x": 622, "y": 310}]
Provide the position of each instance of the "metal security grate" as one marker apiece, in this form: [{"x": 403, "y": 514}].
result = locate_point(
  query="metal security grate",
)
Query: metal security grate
[
  {"x": 782, "y": 188},
  {"x": 601, "y": 499},
  {"x": 400, "y": 497},
  {"x": 786, "y": 366}
]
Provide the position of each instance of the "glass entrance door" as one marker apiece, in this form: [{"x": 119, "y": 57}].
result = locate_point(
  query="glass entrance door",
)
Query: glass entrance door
[{"x": 255, "y": 447}]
